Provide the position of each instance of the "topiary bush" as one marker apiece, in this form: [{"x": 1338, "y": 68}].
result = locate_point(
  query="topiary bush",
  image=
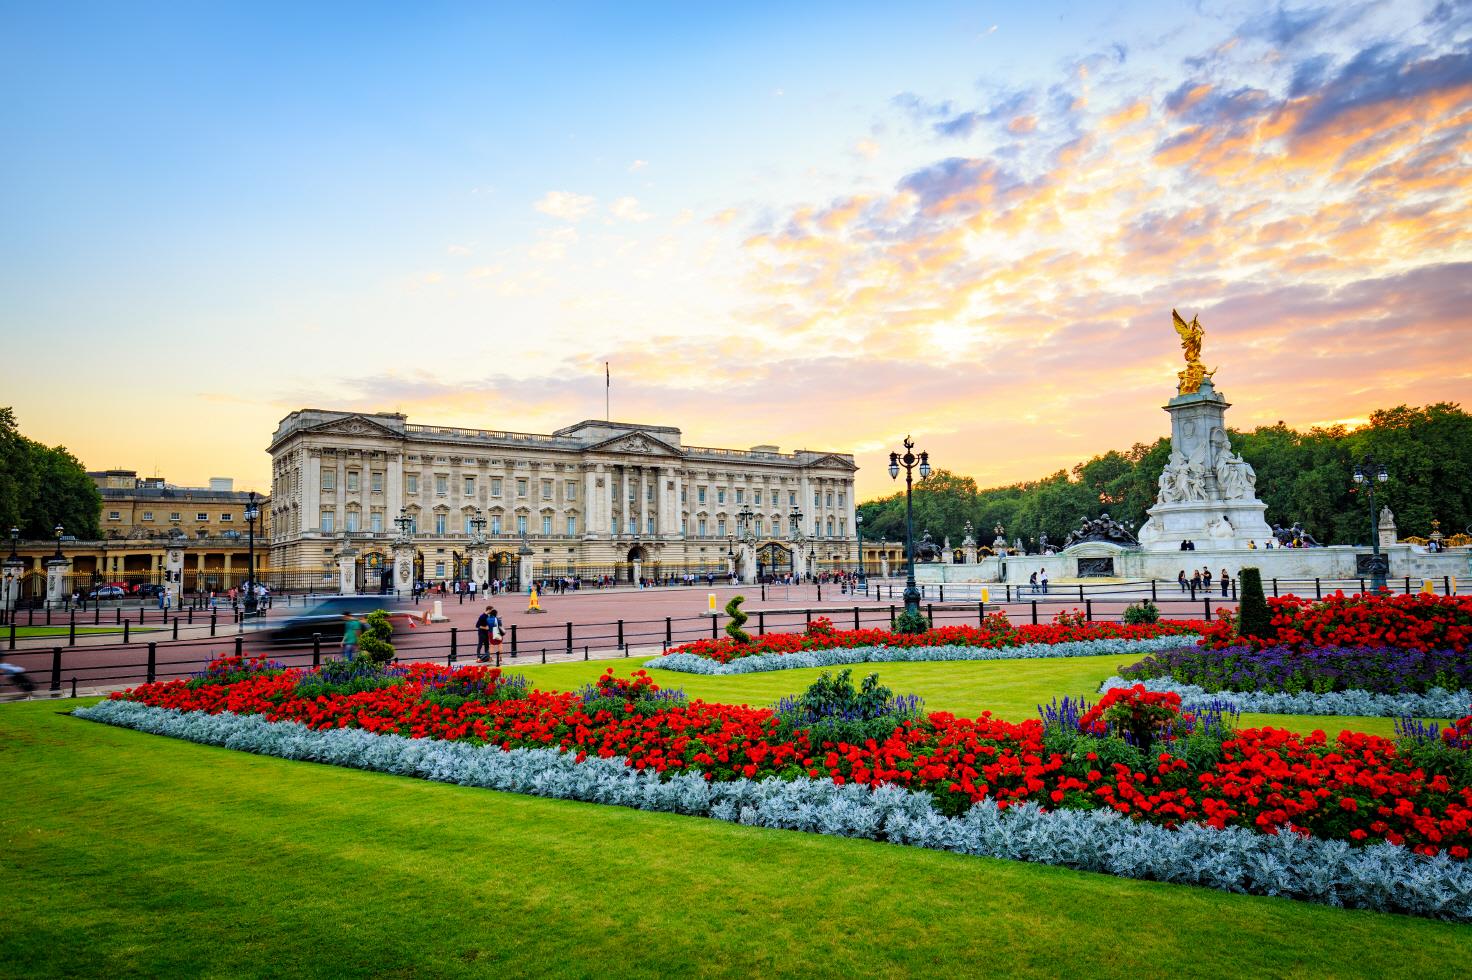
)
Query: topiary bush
[
  {"x": 1253, "y": 617},
  {"x": 911, "y": 622},
  {"x": 738, "y": 620},
  {"x": 1136, "y": 614},
  {"x": 373, "y": 644}
]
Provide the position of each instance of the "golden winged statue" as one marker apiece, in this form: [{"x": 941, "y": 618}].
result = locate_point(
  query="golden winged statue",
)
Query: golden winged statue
[{"x": 1191, "y": 334}]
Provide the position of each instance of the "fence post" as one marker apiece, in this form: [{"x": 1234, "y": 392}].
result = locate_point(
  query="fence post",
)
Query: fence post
[
  {"x": 239, "y": 645},
  {"x": 569, "y": 641},
  {"x": 126, "y": 626},
  {"x": 74, "y": 687},
  {"x": 1408, "y": 585},
  {"x": 190, "y": 614},
  {"x": 71, "y": 640},
  {"x": 1275, "y": 588},
  {"x": 152, "y": 661},
  {"x": 891, "y": 615},
  {"x": 808, "y": 615},
  {"x": 585, "y": 653},
  {"x": 1318, "y": 588},
  {"x": 12, "y": 632},
  {"x": 1034, "y": 612},
  {"x": 856, "y": 617},
  {"x": 1153, "y": 596},
  {"x": 1206, "y": 608},
  {"x": 454, "y": 643},
  {"x": 930, "y": 612},
  {"x": 1088, "y": 610},
  {"x": 118, "y": 611},
  {"x": 141, "y": 611},
  {"x": 316, "y": 649},
  {"x": 713, "y": 633},
  {"x": 176, "y": 627},
  {"x": 761, "y": 624},
  {"x": 669, "y": 633},
  {"x": 1080, "y": 592},
  {"x": 820, "y": 591},
  {"x": 942, "y": 592},
  {"x": 513, "y": 646},
  {"x": 620, "y": 634},
  {"x": 56, "y": 668},
  {"x": 981, "y": 614},
  {"x": 1446, "y": 585}
]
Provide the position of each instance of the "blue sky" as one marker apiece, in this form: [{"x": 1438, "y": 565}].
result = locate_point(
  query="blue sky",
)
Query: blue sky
[{"x": 850, "y": 220}]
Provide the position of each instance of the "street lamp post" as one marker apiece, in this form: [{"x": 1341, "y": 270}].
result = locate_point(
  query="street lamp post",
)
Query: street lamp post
[
  {"x": 59, "y": 531},
  {"x": 909, "y": 462},
  {"x": 252, "y": 511},
  {"x": 795, "y": 516},
  {"x": 14, "y": 543},
  {"x": 859, "y": 534},
  {"x": 1369, "y": 472}
]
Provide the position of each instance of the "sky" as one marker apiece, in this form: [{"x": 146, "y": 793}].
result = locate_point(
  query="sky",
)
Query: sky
[{"x": 816, "y": 225}]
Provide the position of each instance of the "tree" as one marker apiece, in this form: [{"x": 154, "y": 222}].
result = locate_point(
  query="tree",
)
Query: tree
[{"x": 43, "y": 486}]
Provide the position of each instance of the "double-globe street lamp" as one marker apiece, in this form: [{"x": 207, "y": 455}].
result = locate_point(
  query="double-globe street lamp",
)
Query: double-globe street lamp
[
  {"x": 859, "y": 577},
  {"x": 1369, "y": 471},
  {"x": 252, "y": 511},
  {"x": 909, "y": 461}
]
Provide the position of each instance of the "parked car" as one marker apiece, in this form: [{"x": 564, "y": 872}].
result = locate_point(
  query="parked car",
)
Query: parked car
[
  {"x": 107, "y": 592},
  {"x": 149, "y": 591},
  {"x": 326, "y": 619}
]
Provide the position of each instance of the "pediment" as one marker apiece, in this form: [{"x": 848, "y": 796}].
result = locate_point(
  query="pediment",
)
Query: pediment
[
  {"x": 353, "y": 425},
  {"x": 833, "y": 459},
  {"x": 637, "y": 443}
]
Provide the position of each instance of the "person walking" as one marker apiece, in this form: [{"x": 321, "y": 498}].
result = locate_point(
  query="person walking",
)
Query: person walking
[
  {"x": 352, "y": 628},
  {"x": 1226, "y": 583},
  {"x": 1043, "y": 580},
  {"x": 1032, "y": 583},
  {"x": 494, "y": 630}
]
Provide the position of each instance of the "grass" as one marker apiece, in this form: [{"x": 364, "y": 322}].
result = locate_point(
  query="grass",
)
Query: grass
[
  {"x": 24, "y": 631},
  {"x": 1010, "y": 689},
  {"x": 132, "y": 855}
]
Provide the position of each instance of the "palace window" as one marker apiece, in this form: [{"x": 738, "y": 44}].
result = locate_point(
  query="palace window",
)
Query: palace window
[
  {"x": 439, "y": 569},
  {"x": 520, "y": 523},
  {"x": 843, "y": 527},
  {"x": 842, "y": 498},
  {"x": 470, "y": 486},
  {"x": 148, "y": 515},
  {"x": 721, "y": 528},
  {"x": 700, "y": 495},
  {"x": 684, "y": 526},
  {"x": 684, "y": 495},
  {"x": 758, "y": 497},
  {"x": 521, "y": 486},
  {"x": 202, "y": 517},
  {"x": 328, "y": 522},
  {"x": 495, "y": 523},
  {"x": 701, "y": 525},
  {"x": 226, "y": 517},
  {"x": 633, "y": 525},
  {"x": 572, "y": 490},
  {"x": 792, "y": 498},
  {"x": 441, "y": 485},
  {"x": 329, "y": 479},
  {"x": 650, "y": 529},
  {"x": 375, "y": 481},
  {"x": 412, "y": 482},
  {"x": 721, "y": 495},
  {"x": 572, "y": 526},
  {"x": 547, "y": 525},
  {"x": 375, "y": 522},
  {"x": 439, "y": 523},
  {"x": 817, "y": 500},
  {"x": 830, "y": 498},
  {"x": 352, "y": 522},
  {"x": 352, "y": 481},
  {"x": 740, "y": 495},
  {"x": 495, "y": 486},
  {"x": 465, "y": 523},
  {"x": 174, "y": 515},
  {"x": 546, "y": 489}
]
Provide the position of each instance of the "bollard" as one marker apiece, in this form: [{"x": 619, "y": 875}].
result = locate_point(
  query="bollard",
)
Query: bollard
[
  {"x": 1408, "y": 585},
  {"x": 1088, "y": 610},
  {"x": 669, "y": 635},
  {"x": 764, "y": 592},
  {"x": 585, "y": 653},
  {"x": 96, "y": 614},
  {"x": 212, "y": 622},
  {"x": 239, "y": 645},
  {"x": 141, "y": 611},
  {"x": 1153, "y": 596},
  {"x": 1080, "y": 593},
  {"x": 808, "y": 614},
  {"x": 12, "y": 632},
  {"x": 316, "y": 649},
  {"x": 713, "y": 633},
  {"x": 981, "y": 614},
  {"x": 1206, "y": 609},
  {"x": 454, "y": 643},
  {"x": 569, "y": 641},
  {"x": 856, "y": 617},
  {"x": 891, "y": 615},
  {"x": 126, "y": 625},
  {"x": 930, "y": 613},
  {"x": 1275, "y": 588},
  {"x": 190, "y": 615},
  {"x": 820, "y": 591},
  {"x": 74, "y": 687},
  {"x": 513, "y": 646},
  {"x": 544, "y": 654},
  {"x": 71, "y": 635},
  {"x": 761, "y": 625},
  {"x": 1034, "y": 612},
  {"x": 152, "y": 661},
  {"x": 942, "y": 593},
  {"x": 119, "y": 613},
  {"x": 1318, "y": 588},
  {"x": 56, "y": 668},
  {"x": 1446, "y": 585},
  {"x": 620, "y": 634}
]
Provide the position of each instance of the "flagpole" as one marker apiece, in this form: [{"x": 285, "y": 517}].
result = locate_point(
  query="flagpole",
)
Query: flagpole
[{"x": 607, "y": 385}]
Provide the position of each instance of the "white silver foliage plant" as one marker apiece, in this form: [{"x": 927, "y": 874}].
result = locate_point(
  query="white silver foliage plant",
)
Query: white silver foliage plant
[{"x": 1437, "y": 702}]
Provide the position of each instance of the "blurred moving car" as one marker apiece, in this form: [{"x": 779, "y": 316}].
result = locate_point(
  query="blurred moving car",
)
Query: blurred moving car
[
  {"x": 107, "y": 592},
  {"x": 325, "y": 618},
  {"x": 149, "y": 591}
]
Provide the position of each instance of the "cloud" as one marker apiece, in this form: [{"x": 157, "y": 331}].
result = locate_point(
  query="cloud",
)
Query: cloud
[
  {"x": 866, "y": 148},
  {"x": 457, "y": 249},
  {"x": 566, "y": 205},
  {"x": 638, "y": 165},
  {"x": 627, "y": 209},
  {"x": 552, "y": 246}
]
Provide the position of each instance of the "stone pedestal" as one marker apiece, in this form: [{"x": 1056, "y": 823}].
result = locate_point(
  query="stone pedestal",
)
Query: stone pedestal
[
  {"x": 746, "y": 562},
  {"x": 403, "y": 567},
  {"x": 1387, "y": 527},
  {"x": 884, "y": 568},
  {"x": 526, "y": 570},
  {"x": 347, "y": 570},
  {"x": 11, "y": 577},
  {"x": 636, "y": 570},
  {"x": 174, "y": 571},
  {"x": 1207, "y": 493},
  {"x": 480, "y": 564},
  {"x": 56, "y": 590}
]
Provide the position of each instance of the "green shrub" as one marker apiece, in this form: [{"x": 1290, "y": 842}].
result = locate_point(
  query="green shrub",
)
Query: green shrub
[
  {"x": 833, "y": 710},
  {"x": 738, "y": 620},
  {"x": 1141, "y": 613},
  {"x": 911, "y": 622},
  {"x": 373, "y": 644},
  {"x": 1253, "y": 617}
]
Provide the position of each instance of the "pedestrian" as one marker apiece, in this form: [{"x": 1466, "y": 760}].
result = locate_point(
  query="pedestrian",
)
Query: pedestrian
[
  {"x": 1181, "y": 579},
  {"x": 1206, "y": 578},
  {"x": 17, "y": 676},
  {"x": 1032, "y": 583},
  {"x": 1226, "y": 582},
  {"x": 352, "y": 627},
  {"x": 1043, "y": 580},
  {"x": 483, "y": 636},
  {"x": 494, "y": 629}
]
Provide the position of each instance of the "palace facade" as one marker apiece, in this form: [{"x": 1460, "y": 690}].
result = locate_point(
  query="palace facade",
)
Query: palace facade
[{"x": 596, "y": 498}]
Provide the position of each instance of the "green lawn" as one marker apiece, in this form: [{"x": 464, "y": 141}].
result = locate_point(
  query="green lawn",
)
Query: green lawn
[
  {"x": 24, "y": 631},
  {"x": 1010, "y": 689},
  {"x": 132, "y": 855}
]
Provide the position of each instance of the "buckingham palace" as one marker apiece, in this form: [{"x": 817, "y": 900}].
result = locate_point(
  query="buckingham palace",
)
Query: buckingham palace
[{"x": 370, "y": 501}]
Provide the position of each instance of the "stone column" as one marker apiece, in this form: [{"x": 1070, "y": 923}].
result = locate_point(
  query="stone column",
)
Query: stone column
[
  {"x": 403, "y": 567},
  {"x": 805, "y": 504},
  {"x": 480, "y": 564},
  {"x": 590, "y": 503},
  {"x": 528, "y": 569},
  {"x": 677, "y": 509},
  {"x": 643, "y": 508},
  {"x": 347, "y": 570},
  {"x": 11, "y": 576},
  {"x": 312, "y": 492},
  {"x": 56, "y": 591}
]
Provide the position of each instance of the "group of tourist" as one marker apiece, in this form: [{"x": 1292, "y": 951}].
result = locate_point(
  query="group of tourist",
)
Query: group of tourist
[
  {"x": 1201, "y": 579},
  {"x": 1037, "y": 582}
]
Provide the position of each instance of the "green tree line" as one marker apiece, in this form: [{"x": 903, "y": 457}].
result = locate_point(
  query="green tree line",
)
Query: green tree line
[
  {"x": 43, "y": 486},
  {"x": 1301, "y": 476}
]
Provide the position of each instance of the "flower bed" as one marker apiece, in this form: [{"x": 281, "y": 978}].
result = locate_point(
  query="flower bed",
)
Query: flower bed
[
  {"x": 1419, "y": 622},
  {"x": 1315, "y": 669},
  {"x": 1432, "y": 703},
  {"x": 996, "y": 633},
  {"x": 1377, "y": 876},
  {"x": 1358, "y": 787}
]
